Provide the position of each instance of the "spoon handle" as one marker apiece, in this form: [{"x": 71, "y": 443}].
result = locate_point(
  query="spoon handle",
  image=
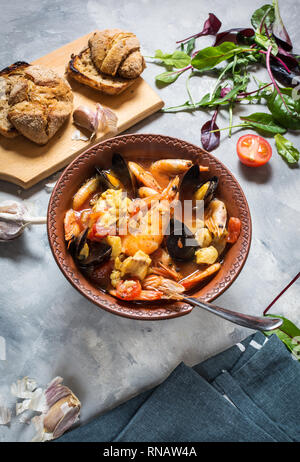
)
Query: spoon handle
[{"x": 246, "y": 320}]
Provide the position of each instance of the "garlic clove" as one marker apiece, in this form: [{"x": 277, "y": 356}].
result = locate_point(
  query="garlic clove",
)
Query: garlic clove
[
  {"x": 64, "y": 408},
  {"x": 84, "y": 117},
  {"x": 5, "y": 415},
  {"x": 111, "y": 120},
  {"x": 102, "y": 119}
]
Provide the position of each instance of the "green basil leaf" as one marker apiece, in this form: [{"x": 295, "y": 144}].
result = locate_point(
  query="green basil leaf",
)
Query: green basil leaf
[
  {"x": 287, "y": 115},
  {"x": 205, "y": 101},
  {"x": 177, "y": 59},
  {"x": 265, "y": 42},
  {"x": 211, "y": 56},
  {"x": 160, "y": 55},
  {"x": 264, "y": 123},
  {"x": 190, "y": 46},
  {"x": 289, "y": 334},
  {"x": 263, "y": 16},
  {"x": 167, "y": 77},
  {"x": 286, "y": 149}
]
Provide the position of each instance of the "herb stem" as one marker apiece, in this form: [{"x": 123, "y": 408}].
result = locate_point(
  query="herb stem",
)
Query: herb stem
[
  {"x": 244, "y": 95},
  {"x": 278, "y": 59},
  {"x": 230, "y": 120},
  {"x": 272, "y": 78},
  {"x": 188, "y": 89},
  {"x": 228, "y": 128},
  {"x": 281, "y": 293}
]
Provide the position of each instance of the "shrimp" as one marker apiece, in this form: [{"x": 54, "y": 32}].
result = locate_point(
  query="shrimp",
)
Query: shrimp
[
  {"x": 144, "y": 177},
  {"x": 72, "y": 227},
  {"x": 83, "y": 193},
  {"x": 170, "y": 167},
  {"x": 145, "y": 191},
  {"x": 170, "y": 289},
  {"x": 145, "y": 295},
  {"x": 149, "y": 242},
  {"x": 166, "y": 271},
  {"x": 163, "y": 265},
  {"x": 215, "y": 217},
  {"x": 190, "y": 281}
]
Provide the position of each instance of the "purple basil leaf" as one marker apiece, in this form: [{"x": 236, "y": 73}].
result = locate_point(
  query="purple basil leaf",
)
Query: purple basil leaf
[
  {"x": 279, "y": 31},
  {"x": 210, "y": 27},
  {"x": 288, "y": 58},
  {"x": 231, "y": 35},
  {"x": 288, "y": 79},
  {"x": 210, "y": 140}
]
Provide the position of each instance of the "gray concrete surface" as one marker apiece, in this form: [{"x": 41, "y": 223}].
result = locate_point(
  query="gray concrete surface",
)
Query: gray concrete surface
[{"x": 49, "y": 328}]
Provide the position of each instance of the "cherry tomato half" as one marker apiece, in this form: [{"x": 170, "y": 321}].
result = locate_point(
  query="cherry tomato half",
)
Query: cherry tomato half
[
  {"x": 253, "y": 150},
  {"x": 234, "y": 229},
  {"x": 129, "y": 289}
]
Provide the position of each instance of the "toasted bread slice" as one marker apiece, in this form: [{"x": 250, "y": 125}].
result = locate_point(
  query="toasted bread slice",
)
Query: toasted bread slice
[
  {"x": 81, "y": 68},
  {"x": 8, "y": 77},
  {"x": 100, "y": 43}
]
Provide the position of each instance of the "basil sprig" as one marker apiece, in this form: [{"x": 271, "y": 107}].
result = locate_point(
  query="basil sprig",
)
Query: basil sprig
[{"x": 286, "y": 149}]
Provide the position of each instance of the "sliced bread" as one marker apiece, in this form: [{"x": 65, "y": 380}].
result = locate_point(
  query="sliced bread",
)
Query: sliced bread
[{"x": 82, "y": 68}]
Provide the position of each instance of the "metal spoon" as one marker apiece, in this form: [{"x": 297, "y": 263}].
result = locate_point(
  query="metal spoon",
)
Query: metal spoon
[{"x": 246, "y": 320}]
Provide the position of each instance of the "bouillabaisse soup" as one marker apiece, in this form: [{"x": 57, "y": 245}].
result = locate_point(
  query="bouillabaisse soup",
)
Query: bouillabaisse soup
[{"x": 149, "y": 231}]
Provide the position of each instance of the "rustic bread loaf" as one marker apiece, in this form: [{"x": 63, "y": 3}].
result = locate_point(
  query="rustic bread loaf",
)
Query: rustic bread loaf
[
  {"x": 37, "y": 102},
  {"x": 9, "y": 78},
  {"x": 111, "y": 63}
]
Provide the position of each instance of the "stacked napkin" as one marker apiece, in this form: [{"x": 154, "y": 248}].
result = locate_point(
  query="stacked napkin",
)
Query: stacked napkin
[{"x": 250, "y": 392}]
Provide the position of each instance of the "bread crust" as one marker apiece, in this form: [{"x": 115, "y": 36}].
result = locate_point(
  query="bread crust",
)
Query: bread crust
[
  {"x": 6, "y": 127},
  {"x": 37, "y": 102},
  {"x": 111, "y": 62},
  {"x": 82, "y": 69},
  {"x": 99, "y": 44},
  {"x": 132, "y": 66}
]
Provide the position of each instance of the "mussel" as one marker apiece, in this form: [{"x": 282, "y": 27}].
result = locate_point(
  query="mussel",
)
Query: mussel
[
  {"x": 206, "y": 191},
  {"x": 120, "y": 168},
  {"x": 89, "y": 253},
  {"x": 181, "y": 243},
  {"x": 190, "y": 181},
  {"x": 193, "y": 186},
  {"x": 108, "y": 180},
  {"x": 119, "y": 176}
]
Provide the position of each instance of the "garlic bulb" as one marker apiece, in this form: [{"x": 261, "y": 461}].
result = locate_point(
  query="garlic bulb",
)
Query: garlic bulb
[{"x": 14, "y": 217}]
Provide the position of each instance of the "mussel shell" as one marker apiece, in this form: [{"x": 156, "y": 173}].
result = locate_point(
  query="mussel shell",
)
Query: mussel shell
[
  {"x": 211, "y": 190},
  {"x": 120, "y": 168},
  {"x": 190, "y": 181},
  {"x": 181, "y": 243},
  {"x": 98, "y": 251},
  {"x": 121, "y": 172},
  {"x": 105, "y": 177}
]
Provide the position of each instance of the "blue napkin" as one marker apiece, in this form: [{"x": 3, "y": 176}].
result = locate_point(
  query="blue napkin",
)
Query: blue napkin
[{"x": 250, "y": 392}]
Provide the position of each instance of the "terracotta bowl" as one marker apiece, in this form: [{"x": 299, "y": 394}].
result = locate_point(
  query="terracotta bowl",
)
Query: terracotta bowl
[{"x": 135, "y": 147}]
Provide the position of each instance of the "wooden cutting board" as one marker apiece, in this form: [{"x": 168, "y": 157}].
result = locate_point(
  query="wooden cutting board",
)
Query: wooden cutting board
[{"x": 25, "y": 163}]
